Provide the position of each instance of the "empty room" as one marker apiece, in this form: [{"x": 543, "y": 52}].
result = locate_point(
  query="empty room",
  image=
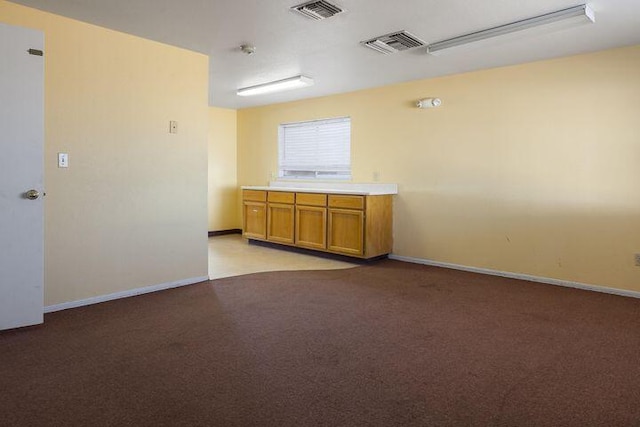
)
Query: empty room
[{"x": 320, "y": 213}]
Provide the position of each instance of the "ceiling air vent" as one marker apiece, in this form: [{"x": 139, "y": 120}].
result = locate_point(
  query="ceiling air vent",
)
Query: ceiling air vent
[
  {"x": 317, "y": 9},
  {"x": 394, "y": 42}
]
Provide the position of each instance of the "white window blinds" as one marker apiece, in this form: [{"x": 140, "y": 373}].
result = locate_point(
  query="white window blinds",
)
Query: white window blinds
[{"x": 319, "y": 149}]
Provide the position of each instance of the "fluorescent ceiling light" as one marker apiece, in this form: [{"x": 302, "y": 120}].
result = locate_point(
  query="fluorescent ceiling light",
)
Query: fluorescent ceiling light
[
  {"x": 582, "y": 13},
  {"x": 276, "y": 86}
]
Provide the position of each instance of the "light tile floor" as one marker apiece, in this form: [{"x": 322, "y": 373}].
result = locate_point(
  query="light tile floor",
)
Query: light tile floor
[{"x": 231, "y": 255}]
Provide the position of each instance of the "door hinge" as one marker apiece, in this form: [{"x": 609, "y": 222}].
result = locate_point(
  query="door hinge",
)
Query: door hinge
[{"x": 36, "y": 52}]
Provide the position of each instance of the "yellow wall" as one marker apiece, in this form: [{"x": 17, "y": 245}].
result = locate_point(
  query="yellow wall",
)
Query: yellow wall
[
  {"x": 223, "y": 183},
  {"x": 529, "y": 169},
  {"x": 131, "y": 210}
]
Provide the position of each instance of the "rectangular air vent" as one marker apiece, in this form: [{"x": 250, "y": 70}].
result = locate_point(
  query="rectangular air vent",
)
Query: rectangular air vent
[
  {"x": 317, "y": 9},
  {"x": 393, "y": 42}
]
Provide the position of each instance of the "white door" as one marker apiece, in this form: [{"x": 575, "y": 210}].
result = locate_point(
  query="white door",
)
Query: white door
[{"x": 21, "y": 170}]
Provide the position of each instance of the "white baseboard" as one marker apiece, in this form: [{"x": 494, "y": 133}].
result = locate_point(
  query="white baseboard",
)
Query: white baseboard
[
  {"x": 124, "y": 294},
  {"x": 546, "y": 280}
]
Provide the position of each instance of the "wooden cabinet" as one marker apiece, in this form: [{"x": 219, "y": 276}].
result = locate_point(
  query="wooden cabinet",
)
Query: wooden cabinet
[
  {"x": 354, "y": 225},
  {"x": 280, "y": 217},
  {"x": 268, "y": 216},
  {"x": 346, "y": 231},
  {"x": 361, "y": 226},
  {"x": 311, "y": 220},
  {"x": 254, "y": 214},
  {"x": 346, "y": 224}
]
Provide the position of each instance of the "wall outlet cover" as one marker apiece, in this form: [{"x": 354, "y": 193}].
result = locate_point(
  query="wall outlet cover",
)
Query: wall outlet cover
[{"x": 63, "y": 160}]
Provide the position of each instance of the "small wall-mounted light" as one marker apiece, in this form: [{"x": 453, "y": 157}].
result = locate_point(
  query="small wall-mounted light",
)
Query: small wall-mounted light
[{"x": 429, "y": 103}]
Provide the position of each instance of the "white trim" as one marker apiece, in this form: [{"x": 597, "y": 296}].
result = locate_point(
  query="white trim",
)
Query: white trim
[
  {"x": 546, "y": 280},
  {"x": 124, "y": 294}
]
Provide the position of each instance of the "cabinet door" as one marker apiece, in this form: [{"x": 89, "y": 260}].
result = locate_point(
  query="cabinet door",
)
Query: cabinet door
[
  {"x": 254, "y": 220},
  {"x": 280, "y": 223},
  {"x": 311, "y": 227},
  {"x": 346, "y": 231}
]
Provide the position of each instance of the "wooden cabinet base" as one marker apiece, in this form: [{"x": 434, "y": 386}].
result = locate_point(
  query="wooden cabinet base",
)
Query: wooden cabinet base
[
  {"x": 313, "y": 252},
  {"x": 348, "y": 225}
]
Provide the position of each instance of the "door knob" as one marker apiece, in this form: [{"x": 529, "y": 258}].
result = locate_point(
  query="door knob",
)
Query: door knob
[{"x": 32, "y": 194}]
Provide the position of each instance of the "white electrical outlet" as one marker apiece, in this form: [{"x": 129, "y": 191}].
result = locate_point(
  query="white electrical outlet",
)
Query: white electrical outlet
[
  {"x": 637, "y": 257},
  {"x": 173, "y": 126}
]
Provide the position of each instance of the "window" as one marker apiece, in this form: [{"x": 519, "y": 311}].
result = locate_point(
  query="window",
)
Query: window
[{"x": 319, "y": 149}]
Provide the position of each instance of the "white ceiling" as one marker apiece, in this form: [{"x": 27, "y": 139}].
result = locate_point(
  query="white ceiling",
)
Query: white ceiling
[{"x": 288, "y": 44}]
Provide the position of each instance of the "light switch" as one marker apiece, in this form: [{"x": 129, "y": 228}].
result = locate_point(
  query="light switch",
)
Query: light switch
[
  {"x": 63, "y": 160},
  {"x": 173, "y": 126}
]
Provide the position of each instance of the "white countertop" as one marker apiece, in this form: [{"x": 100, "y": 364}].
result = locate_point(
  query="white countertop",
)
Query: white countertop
[{"x": 364, "y": 189}]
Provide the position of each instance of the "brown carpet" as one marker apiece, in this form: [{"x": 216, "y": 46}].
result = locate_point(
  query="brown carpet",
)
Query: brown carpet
[{"x": 390, "y": 344}]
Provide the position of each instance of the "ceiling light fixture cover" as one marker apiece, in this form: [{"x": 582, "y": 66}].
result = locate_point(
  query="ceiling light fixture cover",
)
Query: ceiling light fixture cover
[
  {"x": 581, "y": 13},
  {"x": 317, "y": 9},
  {"x": 276, "y": 86}
]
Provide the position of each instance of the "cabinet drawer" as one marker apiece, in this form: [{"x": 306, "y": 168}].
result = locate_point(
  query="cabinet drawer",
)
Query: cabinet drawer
[
  {"x": 281, "y": 197},
  {"x": 346, "y": 202},
  {"x": 254, "y": 195},
  {"x": 311, "y": 199}
]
